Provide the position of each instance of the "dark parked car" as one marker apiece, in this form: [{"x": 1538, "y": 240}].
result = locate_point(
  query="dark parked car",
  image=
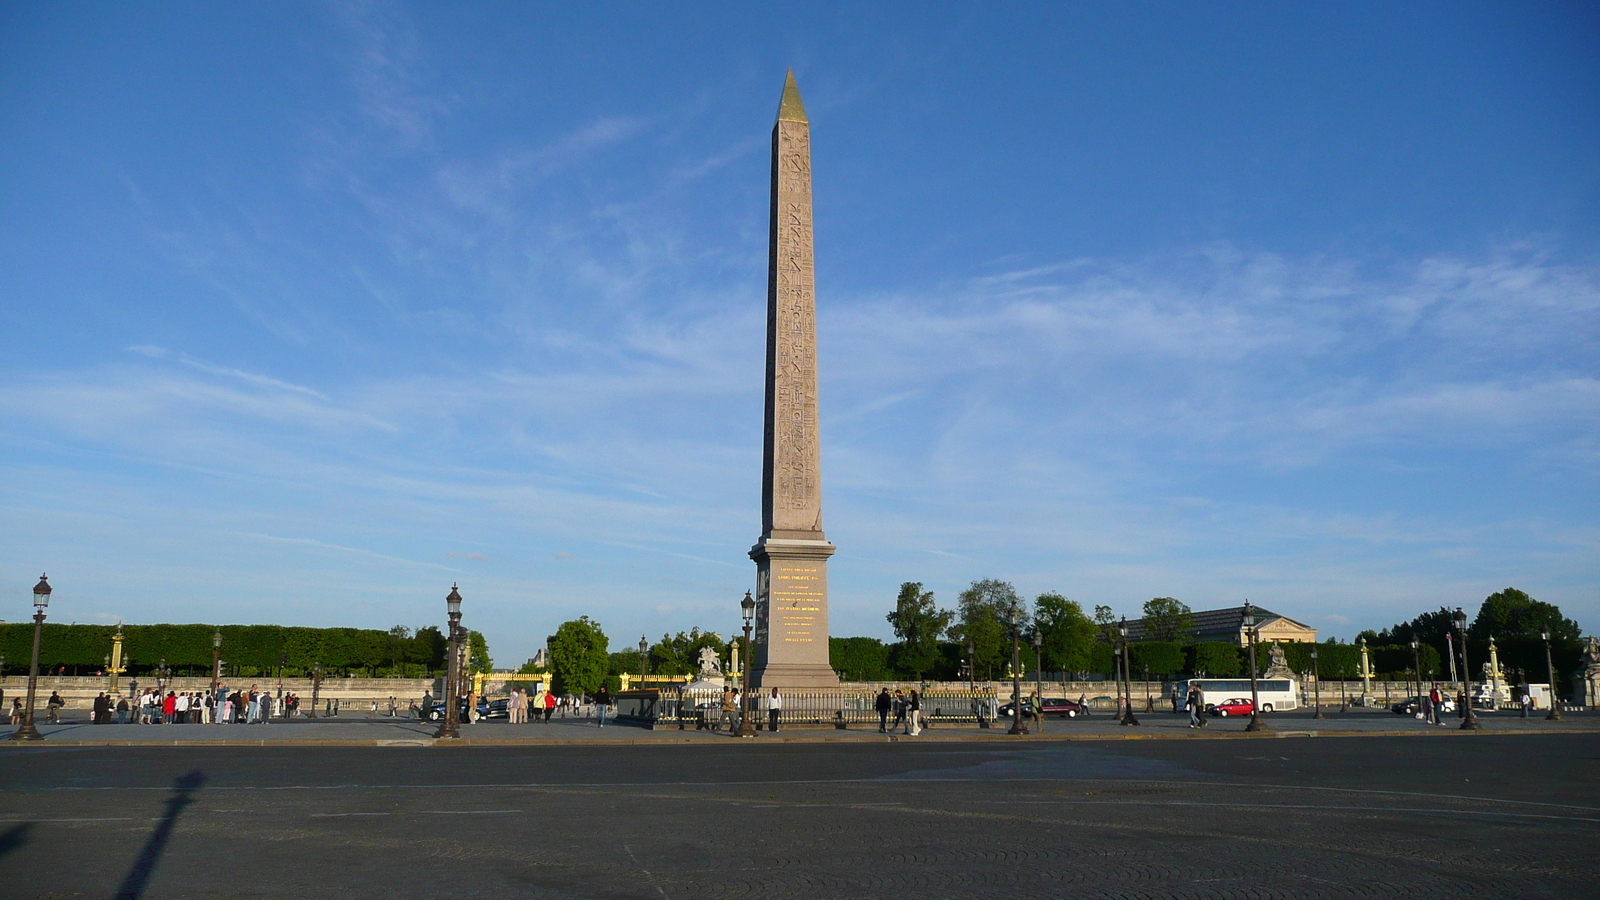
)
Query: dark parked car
[
  {"x": 437, "y": 713},
  {"x": 1410, "y": 706},
  {"x": 1052, "y": 706}
]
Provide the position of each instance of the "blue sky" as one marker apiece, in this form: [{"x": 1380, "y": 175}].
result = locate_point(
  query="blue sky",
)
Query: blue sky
[{"x": 315, "y": 309}]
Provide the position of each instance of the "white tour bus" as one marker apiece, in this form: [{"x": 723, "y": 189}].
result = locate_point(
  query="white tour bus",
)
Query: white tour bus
[{"x": 1275, "y": 693}]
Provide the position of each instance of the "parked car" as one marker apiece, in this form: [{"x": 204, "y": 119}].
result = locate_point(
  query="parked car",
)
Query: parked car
[
  {"x": 1410, "y": 706},
  {"x": 1238, "y": 706},
  {"x": 1052, "y": 706},
  {"x": 437, "y": 713}
]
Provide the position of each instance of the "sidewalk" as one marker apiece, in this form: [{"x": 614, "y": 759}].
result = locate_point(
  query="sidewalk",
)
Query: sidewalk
[{"x": 363, "y": 732}]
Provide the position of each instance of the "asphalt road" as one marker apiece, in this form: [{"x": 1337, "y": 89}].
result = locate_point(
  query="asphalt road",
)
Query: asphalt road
[{"x": 1481, "y": 816}]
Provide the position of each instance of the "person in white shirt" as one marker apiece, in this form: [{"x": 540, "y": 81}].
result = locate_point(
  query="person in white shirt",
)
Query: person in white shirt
[
  {"x": 182, "y": 706},
  {"x": 774, "y": 709}
]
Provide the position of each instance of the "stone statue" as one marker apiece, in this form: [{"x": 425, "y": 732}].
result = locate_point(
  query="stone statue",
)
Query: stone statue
[
  {"x": 1277, "y": 666},
  {"x": 1591, "y": 654},
  {"x": 709, "y": 667},
  {"x": 1586, "y": 684}
]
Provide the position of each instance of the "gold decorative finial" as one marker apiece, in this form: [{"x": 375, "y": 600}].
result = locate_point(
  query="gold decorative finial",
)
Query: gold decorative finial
[{"x": 790, "y": 109}]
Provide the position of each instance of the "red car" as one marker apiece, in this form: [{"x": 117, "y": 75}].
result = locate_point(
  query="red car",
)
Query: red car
[{"x": 1239, "y": 706}]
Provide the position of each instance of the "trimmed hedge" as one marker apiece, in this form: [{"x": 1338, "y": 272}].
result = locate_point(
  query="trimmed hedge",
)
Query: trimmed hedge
[{"x": 247, "y": 649}]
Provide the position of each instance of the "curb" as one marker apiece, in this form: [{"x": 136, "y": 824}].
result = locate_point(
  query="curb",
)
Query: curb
[{"x": 677, "y": 741}]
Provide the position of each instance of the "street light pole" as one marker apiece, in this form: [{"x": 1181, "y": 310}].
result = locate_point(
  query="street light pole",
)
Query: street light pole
[
  {"x": 644, "y": 659},
  {"x": 41, "y": 599},
  {"x": 747, "y": 728},
  {"x": 1316, "y": 681},
  {"x": 972, "y": 666},
  {"x": 216, "y": 661},
  {"x": 1015, "y": 617},
  {"x": 1470, "y": 722},
  {"x": 283, "y": 660},
  {"x": 316, "y": 688},
  {"x": 1256, "y": 723},
  {"x": 1416, "y": 661},
  {"x": 1038, "y": 665},
  {"x": 1555, "y": 701},
  {"x": 1127, "y": 676},
  {"x": 451, "y": 726}
]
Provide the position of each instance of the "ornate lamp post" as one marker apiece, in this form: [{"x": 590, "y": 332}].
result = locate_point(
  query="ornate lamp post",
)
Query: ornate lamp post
[
  {"x": 1249, "y": 622},
  {"x": 1126, "y": 688},
  {"x": 216, "y": 661},
  {"x": 1014, "y": 616},
  {"x": 451, "y": 726},
  {"x": 972, "y": 666},
  {"x": 1316, "y": 682},
  {"x": 747, "y": 727},
  {"x": 283, "y": 660},
  {"x": 1149, "y": 700},
  {"x": 1344, "y": 693},
  {"x": 1416, "y": 662},
  {"x": 316, "y": 688},
  {"x": 644, "y": 659},
  {"x": 1555, "y": 701},
  {"x": 1470, "y": 722},
  {"x": 41, "y": 599},
  {"x": 1038, "y": 664}
]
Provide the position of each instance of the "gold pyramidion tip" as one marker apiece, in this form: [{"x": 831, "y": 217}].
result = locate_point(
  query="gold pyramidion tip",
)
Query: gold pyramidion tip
[{"x": 790, "y": 109}]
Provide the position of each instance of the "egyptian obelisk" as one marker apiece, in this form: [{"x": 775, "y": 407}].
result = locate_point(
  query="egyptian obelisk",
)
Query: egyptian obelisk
[{"x": 791, "y": 633}]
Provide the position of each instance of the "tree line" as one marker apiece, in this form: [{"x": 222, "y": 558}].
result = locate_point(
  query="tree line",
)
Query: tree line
[{"x": 248, "y": 651}]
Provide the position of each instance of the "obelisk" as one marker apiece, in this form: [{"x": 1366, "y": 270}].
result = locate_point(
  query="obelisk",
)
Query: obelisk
[{"x": 791, "y": 627}]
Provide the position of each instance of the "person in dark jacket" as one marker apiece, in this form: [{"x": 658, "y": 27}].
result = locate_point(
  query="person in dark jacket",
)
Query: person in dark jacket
[{"x": 883, "y": 704}]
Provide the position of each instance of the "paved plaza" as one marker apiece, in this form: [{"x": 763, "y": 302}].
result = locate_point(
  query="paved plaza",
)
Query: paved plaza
[{"x": 1360, "y": 815}]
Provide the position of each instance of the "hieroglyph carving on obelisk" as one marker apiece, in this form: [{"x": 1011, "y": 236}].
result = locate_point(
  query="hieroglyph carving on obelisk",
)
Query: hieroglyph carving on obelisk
[{"x": 791, "y": 637}]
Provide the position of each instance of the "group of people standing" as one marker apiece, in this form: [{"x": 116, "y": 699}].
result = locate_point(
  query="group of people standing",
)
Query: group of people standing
[
  {"x": 543, "y": 705},
  {"x": 907, "y": 709},
  {"x": 730, "y": 710},
  {"x": 153, "y": 707}
]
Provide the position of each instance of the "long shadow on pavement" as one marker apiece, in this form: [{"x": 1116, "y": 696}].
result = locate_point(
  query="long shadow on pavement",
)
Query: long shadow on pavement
[
  {"x": 14, "y": 837},
  {"x": 139, "y": 876}
]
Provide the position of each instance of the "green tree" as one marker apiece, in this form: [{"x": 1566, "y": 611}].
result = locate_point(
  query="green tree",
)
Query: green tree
[
  {"x": 984, "y": 622},
  {"x": 859, "y": 658},
  {"x": 1068, "y": 635},
  {"x": 1163, "y": 657},
  {"x": 1216, "y": 659},
  {"x": 918, "y": 622},
  {"x": 478, "y": 653},
  {"x": 1165, "y": 619},
  {"x": 578, "y": 657},
  {"x": 680, "y": 654}
]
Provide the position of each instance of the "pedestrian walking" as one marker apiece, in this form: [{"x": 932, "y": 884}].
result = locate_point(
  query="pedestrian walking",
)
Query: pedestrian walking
[
  {"x": 549, "y": 705},
  {"x": 774, "y": 710},
  {"x": 883, "y": 704},
  {"x": 729, "y": 708},
  {"x": 899, "y": 710},
  {"x": 913, "y": 712},
  {"x": 16, "y": 711},
  {"x": 1036, "y": 711},
  {"x": 1192, "y": 702},
  {"x": 391, "y": 706},
  {"x": 602, "y": 703}
]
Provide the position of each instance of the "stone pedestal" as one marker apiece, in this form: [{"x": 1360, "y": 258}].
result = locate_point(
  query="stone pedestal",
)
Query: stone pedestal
[{"x": 791, "y": 627}]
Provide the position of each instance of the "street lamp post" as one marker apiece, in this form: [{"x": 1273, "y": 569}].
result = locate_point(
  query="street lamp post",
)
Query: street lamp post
[
  {"x": 41, "y": 599},
  {"x": 1344, "y": 692},
  {"x": 972, "y": 666},
  {"x": 1038, "y": 664},
  {"x": 216, "y": 661},
  {"x": 1149, "y": 699},
  {"x": 283, "y": 660},
  {"x": 1126, "y": 689},
  {"x": 1366, "y": 671},
  {"x": 1015, "y": 618},
  {"x": 451, "y": 726},
  {"x": 1470, "y": 722},
  {"x": 316, "y": 688},
  {"x": 644, "y": 659},
  {"x": 747, "y": 728},
  {"x": 1249, "y": 622},
  {"x": 1416, "y": 662},
  {"x": 1316, "y": 681},
  {"x": 1555, "y": 702}
]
